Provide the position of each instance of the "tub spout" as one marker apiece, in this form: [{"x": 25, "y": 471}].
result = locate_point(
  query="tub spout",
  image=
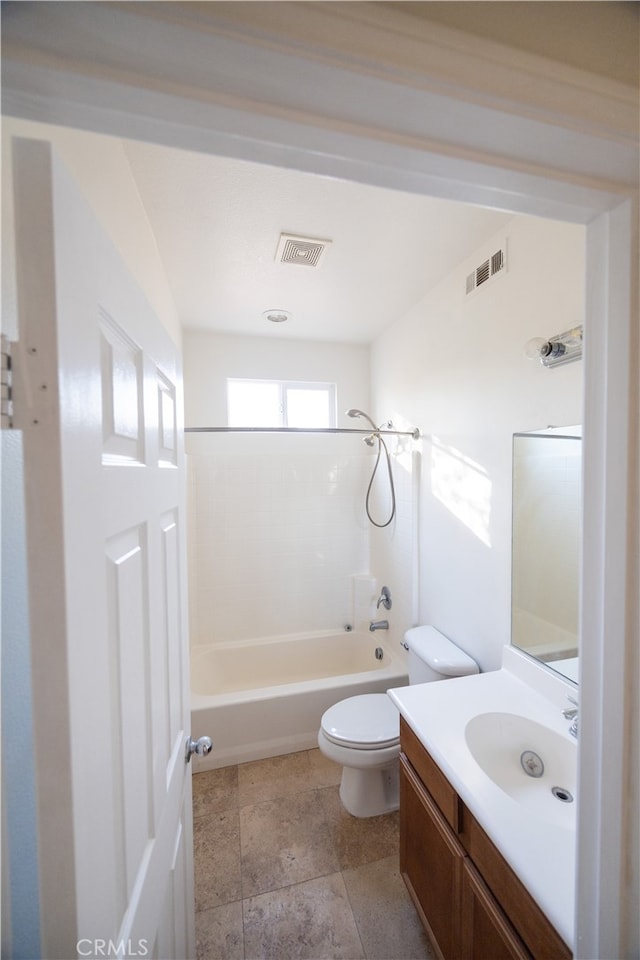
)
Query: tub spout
[{"x": 378, "y": 625}]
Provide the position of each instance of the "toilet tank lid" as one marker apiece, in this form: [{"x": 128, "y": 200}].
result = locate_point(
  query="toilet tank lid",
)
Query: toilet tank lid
[{"x": 439, "y": 652}]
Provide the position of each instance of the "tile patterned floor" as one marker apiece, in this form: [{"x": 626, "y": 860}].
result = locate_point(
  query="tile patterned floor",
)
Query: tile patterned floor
[{"x": 283, "y": 872}]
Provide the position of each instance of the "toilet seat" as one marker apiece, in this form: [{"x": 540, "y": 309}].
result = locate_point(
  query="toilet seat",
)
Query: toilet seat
[{"x": 367, "y": 722}]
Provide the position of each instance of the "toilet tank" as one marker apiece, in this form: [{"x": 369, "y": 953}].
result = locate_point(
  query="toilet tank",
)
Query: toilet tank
[{"x": 434, "y": 657}]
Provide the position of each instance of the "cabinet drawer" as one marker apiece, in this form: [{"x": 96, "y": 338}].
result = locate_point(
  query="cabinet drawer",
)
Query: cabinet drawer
[
  {"x": 538, "y": 934},
  {"x": 428, "y": 771}
]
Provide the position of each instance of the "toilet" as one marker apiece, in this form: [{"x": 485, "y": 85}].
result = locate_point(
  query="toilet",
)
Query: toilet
[{"x": 362, "y": 733}]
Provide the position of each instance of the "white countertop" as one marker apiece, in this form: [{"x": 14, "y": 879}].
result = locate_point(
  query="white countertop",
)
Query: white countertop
[{"x": 542, "y": 854}]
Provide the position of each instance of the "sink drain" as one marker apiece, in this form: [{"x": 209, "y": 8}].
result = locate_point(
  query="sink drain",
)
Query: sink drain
[
  {"x": 561, "y": 793},
  {"x": 531, "y": 763}
]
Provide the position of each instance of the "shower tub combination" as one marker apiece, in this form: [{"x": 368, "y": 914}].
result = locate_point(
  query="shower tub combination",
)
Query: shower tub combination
[{"x": 265, "y": 697}]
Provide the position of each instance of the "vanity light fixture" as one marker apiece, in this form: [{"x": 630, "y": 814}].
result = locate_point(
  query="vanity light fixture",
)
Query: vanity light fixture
[
  {"x": 277, "y": 316},
  {"x": 563, "y": 348}
]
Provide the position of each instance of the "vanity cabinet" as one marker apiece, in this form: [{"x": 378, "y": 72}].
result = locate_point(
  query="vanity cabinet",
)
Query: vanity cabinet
[{"x": 470, "y": 901}]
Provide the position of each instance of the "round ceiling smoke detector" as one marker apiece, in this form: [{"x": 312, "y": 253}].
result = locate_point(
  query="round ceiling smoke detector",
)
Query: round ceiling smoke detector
[{"x": 277, "y": 316}]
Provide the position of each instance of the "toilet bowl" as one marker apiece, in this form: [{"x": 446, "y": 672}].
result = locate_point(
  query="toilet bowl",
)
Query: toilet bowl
[{"x": 363, "y": 733}]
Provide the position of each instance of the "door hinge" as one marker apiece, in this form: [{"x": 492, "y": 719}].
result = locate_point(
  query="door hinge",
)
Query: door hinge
[{"x": 6, "y": 384}]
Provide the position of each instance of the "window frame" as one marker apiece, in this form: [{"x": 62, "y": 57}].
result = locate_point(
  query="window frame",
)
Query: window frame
[{"x": 284, "y": 386}]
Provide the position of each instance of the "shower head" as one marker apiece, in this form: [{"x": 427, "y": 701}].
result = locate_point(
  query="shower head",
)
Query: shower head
[
  {"x": 370, "y": 440},
  {"x": 360, "y": 413}
]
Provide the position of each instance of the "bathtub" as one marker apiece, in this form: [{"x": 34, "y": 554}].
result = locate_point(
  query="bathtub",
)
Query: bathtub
[{"x": 264, "y": 698}]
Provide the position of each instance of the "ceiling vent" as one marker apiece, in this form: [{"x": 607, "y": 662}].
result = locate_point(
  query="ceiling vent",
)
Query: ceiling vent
[
  {"x": 303, "y": 250},
  {"x": 494, "y": 266}
]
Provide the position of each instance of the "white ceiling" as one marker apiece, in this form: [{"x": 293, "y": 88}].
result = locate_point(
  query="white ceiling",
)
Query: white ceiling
[{"x": 217, "y": 223}]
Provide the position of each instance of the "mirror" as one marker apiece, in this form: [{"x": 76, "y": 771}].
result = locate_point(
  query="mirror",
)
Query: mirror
[{"x": 547, "y": 529}]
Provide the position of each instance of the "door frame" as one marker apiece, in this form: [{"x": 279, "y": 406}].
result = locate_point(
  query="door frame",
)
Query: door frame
[{"x": 401, "y": 140}]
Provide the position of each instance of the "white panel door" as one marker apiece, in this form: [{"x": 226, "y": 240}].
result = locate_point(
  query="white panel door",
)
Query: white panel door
[{"x": 99, "y": 401}]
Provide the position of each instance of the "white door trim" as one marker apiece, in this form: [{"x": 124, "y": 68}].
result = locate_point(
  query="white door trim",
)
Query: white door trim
[
  {"x": 606, "y": 905},
  {"x": 328, "y": 87}
]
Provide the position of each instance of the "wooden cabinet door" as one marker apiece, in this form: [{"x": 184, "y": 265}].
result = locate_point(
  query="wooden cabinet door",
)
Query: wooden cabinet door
[
  {"x": 431, "y": 864},
  {"x": 541, "y": 938},
  {"x": 486, "y": 932}
]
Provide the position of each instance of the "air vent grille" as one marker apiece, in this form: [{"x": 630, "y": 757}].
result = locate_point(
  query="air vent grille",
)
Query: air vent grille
[
  {"x": 303, "y": 250},
  {"x": 487, "y": 270},
  {"x": 497, "y": 262},
  {"x": 483, "y": 272}
]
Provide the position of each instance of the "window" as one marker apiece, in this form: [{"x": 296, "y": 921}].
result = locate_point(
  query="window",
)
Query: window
[{"x": 280, "y": 403}]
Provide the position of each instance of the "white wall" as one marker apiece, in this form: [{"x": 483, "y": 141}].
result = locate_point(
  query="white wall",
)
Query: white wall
[
  {"x": 101, "y": 169},
  {"x": 210, "y": 358},
  {"x": 455, "y": 367}
]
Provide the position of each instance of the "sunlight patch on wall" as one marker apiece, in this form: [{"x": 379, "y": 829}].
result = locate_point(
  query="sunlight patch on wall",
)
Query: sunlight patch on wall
[{"x": 463, "y": 487}]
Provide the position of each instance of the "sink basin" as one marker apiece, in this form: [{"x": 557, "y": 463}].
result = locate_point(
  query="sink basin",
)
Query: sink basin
[{"x": 533, "y": 764}]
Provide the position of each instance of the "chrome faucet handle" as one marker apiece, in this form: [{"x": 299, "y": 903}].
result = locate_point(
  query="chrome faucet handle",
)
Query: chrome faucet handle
[
  {"x": 384, "y": 599},
  {"x": 571, "y": 713}
]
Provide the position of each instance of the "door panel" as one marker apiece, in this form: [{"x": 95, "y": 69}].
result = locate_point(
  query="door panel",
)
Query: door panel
[
  {"x": 104, "y": 453},
  {"x": 129, "y": 642},
  {"x": 122, "y": 397}
]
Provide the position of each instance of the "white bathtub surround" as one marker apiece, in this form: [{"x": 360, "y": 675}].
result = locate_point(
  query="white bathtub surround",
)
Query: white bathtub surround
[
  {"x": 266, "y": 718},
  {"x": 278, "y": 532},
  {"x": 277, "y": 529},
  {"x": 364, "y": 600},
  {"x": 394, "y": 549}
]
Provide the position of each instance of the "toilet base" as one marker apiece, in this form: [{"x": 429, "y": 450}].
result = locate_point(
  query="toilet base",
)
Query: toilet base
[{"x": 370, "y": 793}]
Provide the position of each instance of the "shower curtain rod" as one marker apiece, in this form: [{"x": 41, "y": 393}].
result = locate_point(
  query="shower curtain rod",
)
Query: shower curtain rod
[{"x": 367, "y": 433}]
